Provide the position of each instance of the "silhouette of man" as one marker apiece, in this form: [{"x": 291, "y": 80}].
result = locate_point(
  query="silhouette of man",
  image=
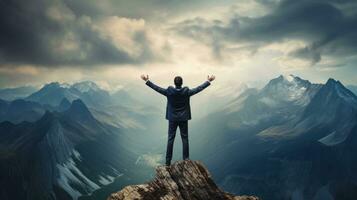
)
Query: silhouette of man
[{"x": 178, "y": 111}]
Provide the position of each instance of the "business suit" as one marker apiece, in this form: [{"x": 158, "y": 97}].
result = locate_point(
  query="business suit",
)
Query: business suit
[{"x": 178, "y": 112}]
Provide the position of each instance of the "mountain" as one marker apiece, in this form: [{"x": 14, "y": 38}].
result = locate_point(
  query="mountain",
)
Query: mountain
[
  {"x": 88, "y": 91},
  {"x": 92, "y": 94},
  {"x": 53, "y": 93},
  {"x": 75, "y": 150},
  {"x": 292, "y": 139},
  {"x": 334, "y": 106},
  {"x": 11, "y": 94},
  {"x": 20, "y": 110},
  {"x": 63, "y": 155},
  {"x": 119, "y": 109},
  {"x": 86, "y": 86},
  {"x": 182, "y": 180},
  {"x": 79, "y": 112},
  {"x": 331, "y": 106}
]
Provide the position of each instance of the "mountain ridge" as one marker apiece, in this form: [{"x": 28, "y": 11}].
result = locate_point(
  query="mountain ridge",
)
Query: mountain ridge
[
  {"x": 286, "y": 130},
  {"x": 51, "y": 155},
  {"x": 304, "y": 142}
]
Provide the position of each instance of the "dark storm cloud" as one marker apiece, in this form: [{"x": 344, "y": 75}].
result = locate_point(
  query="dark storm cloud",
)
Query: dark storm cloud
[
  {"x": 329, "y": 27},
  {"x": 307, "y": 53},
  {"x": 147, "y": 9},
  {"x": 50, "y": 33}
]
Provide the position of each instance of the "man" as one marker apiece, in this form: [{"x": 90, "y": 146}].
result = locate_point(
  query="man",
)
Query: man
[{"x": 178, "y": 111}]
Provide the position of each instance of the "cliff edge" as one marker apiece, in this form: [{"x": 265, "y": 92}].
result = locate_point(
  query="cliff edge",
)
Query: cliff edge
[{"x": 183, "y": 180}]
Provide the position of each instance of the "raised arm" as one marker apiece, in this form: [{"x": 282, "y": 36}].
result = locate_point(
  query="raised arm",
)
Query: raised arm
[
  {"x": 202, "y": 86},
  {"x": 153, "y": 86}
]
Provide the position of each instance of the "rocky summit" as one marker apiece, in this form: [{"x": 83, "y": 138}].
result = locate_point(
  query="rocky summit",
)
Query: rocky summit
[{"x": 184, "y": 180}]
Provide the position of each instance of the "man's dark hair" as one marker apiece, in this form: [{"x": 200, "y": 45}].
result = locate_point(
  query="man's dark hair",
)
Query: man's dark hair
[{"x": 178, "y": 81}]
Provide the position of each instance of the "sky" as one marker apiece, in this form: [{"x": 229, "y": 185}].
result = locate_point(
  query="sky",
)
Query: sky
[{"x": 113, "y": 42}]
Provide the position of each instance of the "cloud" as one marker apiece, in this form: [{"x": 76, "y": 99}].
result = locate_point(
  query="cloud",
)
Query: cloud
[
  {"x": 306, "y": 53},
  {"x": 147, "y": 9},
  {"x": 50, "y": 33},
  {"x": 328, "y": 27},
  {"x": 115, "y": 40}
]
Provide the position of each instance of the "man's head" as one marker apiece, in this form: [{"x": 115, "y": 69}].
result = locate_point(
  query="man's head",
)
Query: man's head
[{"x": 178, "y": 81}]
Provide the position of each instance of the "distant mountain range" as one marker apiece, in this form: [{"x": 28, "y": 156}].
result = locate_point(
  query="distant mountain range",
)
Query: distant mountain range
[
  {"x": 290, "y": 140},
  {"x": 63, "y": 155},
  {"x": 10, "y": 94},
  {"x": 118, "y": 109},
  {"x": 53, "y": 93},
  {"x": 53, "y": 147},
  {"x": 20, "y": 110}
]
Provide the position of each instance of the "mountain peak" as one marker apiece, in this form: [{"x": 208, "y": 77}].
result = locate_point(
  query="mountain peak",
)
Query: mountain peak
[
  {"x": 289, "y": 77},
  {"x": 336, "y": 87},
  {"x": 335, "y": 83},
  {"x": 86, "y": 86},
  {"x": 183, "y": 180},
  {"x": 286, "y": 88},
  {"x": 331, "y": 81},
  {"x": 78, "y": 110},
  {"x": 52, "y": 84},
  {"x": 56, "y": 85},
  {"x": 289, "y": 80}
]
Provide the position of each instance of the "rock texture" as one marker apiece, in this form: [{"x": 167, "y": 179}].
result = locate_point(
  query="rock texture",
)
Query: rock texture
[{"x": 184, "y": 180}]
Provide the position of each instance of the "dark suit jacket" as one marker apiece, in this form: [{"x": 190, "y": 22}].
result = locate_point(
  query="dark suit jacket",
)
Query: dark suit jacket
[{"x": 178, "y": 100}]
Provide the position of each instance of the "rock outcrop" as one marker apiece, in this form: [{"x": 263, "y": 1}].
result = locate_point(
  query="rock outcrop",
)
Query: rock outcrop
[{"x": 184, "y": 180}]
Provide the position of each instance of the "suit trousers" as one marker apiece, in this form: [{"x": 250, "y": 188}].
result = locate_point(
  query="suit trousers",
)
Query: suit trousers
[{"x": 183, "y": 125}]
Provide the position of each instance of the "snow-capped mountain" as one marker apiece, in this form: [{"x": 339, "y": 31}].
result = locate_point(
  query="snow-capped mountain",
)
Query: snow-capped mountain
[
  {"x": 281, "y": 100},
  {"x": 86, "y": 86},
  {"x": 54, "y": 146},
  {"x": 291, "y": 138},
  {"x": 88, "y": 91},
  {"x": 53, "y": 93},
  {"x": 286, "y": 88},
  {"x": 118, "y": 109},
  {"x": 63, "y": 155}
]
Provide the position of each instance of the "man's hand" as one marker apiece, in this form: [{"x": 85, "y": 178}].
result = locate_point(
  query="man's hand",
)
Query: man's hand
[
  {"x": 210, "y": 78},
  {"x": 145, "y": 78}
]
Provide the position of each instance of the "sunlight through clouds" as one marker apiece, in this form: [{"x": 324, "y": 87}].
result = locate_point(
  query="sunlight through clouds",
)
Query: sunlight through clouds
[{"x": 245, "y": 40}]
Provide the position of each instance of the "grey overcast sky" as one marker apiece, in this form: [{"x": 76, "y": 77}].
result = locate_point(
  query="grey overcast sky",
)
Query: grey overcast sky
[{"x": 112, "y": 42}]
